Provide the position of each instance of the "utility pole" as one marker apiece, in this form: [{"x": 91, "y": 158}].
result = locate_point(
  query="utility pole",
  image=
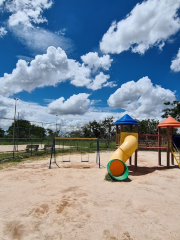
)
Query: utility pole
[
  {"x": 16, "y": 99},
  {"x": 56, "y": 125},
  {"x": 17, "y": 132}
]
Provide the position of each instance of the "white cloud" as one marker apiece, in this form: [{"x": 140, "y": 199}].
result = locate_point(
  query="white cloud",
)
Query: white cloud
[
  {"x": 38, "y": 39},
  {"x": 1, "y": 2},
  {"x": 48, "y": 70},
  {"x": 3, "y": 32},
  {"x": 141, "y": 99},
  {"x": 76, "y": 104},
  {"x": 27, "y": 59},
  {"x": 99, "y": 81},
  {"x": 26, "y": 12},
  {"x": 26, "y": 110},
  {"x": 61, "y": 31},
  {"x": 72, "y": 116},
  {"x": 110, "y": 84},
  {"x": 24, "y": 16},
  {"x": 94, "y": 61},
  {"x": 44, "y": 70},
  {"x": 149, "y": 24},
  {"x": 175, "y": 64}
]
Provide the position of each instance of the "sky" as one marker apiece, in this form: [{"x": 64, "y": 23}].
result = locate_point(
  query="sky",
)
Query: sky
[{"x": 76, "y": 61}]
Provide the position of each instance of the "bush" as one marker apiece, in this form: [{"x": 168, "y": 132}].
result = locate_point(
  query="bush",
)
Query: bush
[{"x": 109, "y": 178}]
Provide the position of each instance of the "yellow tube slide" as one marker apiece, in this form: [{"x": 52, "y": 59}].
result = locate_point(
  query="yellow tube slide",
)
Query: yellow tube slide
[{"x": 123, "y": 153}]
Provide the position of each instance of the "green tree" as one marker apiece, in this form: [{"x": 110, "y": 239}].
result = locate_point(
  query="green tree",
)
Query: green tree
[
  {"x": 76, "y": 134},
  {"x": 50, "y": 133},
  {"x": 2, "y": 132},
  {"x": 108, "y": 126},
  {"x": 37, "y": 131},
  {"x": 173, "y": 110},
  {"x": 148, "y": 126},
  {"x": 103, "y": 129},
  {"x": 92, "y": 129},
  {"x": 24, "y": 129}
]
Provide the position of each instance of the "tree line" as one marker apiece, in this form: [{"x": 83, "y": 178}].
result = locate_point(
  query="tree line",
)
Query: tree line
[{"x": 104, "y": 129}]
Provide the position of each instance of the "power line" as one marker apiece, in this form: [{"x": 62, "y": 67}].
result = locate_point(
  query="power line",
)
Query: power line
[{"x": 50, "y": 123}]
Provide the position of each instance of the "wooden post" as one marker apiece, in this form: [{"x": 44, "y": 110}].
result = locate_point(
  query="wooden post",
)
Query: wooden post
[
  {"x": 168, "y": 147},
  {"x": 117, "y": 129},
  {"x": 172, "y": 156},
  {"x": 135, "y": 155},
  {"x": 159, "y": 145},
  {"x": 130, "y": 159},
  {"x": 121, "y": 128},
  {"x": 117, "y": 136}
]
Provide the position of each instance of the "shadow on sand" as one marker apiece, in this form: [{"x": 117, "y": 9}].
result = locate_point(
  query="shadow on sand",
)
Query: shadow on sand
[{"x": 146, "y": 170}]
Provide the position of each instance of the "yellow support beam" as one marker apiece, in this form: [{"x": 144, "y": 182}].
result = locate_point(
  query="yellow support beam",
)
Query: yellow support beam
[{"x": 75, "y": 138}]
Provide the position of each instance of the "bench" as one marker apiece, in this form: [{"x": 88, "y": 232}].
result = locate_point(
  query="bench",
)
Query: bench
[
  {"x": 32, "y": 147},
  {"x": 47, "y": 146}
]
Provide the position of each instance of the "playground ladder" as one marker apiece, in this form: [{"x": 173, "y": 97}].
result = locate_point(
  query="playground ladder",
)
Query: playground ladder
[{"x": 175, "y": 153}]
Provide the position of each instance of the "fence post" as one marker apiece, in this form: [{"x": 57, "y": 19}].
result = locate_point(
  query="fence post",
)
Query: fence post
[
  {"x": 31, "y": 147},
  {"x": 98, "y": 154},
  {"x": 13, "y": 147}
]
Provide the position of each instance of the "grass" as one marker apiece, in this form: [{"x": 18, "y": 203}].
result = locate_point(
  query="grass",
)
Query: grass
[
  {"x": 109, "y": 178},
  {"x": 78, "y": 144}
]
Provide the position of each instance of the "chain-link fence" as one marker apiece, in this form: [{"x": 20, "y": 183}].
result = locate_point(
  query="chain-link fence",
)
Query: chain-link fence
[
  {"x": 25, "y": 147},
  {"x": 21, "y": 138}
]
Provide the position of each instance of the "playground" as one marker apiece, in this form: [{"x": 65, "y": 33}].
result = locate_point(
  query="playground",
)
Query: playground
[
  {"x": 66, "y": 195},
  {"x": 75, "y": 202}
]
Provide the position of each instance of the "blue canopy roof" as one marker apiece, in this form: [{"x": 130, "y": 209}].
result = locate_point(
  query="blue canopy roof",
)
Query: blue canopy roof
[{"x": 126, "y": 120}]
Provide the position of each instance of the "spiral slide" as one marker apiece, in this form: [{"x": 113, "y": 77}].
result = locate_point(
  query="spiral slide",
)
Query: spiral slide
[{"x": 116, "y": 166}]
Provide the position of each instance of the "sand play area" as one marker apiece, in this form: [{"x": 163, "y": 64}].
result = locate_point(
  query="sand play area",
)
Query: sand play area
[{"x": 75, "y": 202}]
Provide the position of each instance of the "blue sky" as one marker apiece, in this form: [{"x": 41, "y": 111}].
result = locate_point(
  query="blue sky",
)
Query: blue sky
[{"x": 86, "y": 60}]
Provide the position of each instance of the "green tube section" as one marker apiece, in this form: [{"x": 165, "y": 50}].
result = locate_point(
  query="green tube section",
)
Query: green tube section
[{"x": 121, "y": 177}]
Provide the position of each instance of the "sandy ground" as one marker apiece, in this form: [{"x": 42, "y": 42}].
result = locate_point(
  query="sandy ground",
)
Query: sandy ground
[{"x": 75, "y": 202}]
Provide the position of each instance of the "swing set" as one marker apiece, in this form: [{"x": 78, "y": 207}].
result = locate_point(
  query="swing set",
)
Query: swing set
[{"x": 74, "y": 145}]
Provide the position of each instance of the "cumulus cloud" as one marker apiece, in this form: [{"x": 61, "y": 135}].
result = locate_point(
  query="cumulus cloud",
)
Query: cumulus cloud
[
  {"x": 141, "y": 99},
  {"x": 175, "y": 64},
  {"x": 72, "y": 116},
  {"x": 3, "y": 32},
  {"x": 94, "y": 61},
  {"x": 26, "y": 12},
  {"x": 76, "y": 104},
  {"x": 99, "y": 81},
  {"x": 149, "y": 24},
  {"x": 50, "y": 69}
]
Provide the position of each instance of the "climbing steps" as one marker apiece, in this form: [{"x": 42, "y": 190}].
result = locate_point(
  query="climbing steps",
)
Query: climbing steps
[{"x": 175, "y": 152}]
